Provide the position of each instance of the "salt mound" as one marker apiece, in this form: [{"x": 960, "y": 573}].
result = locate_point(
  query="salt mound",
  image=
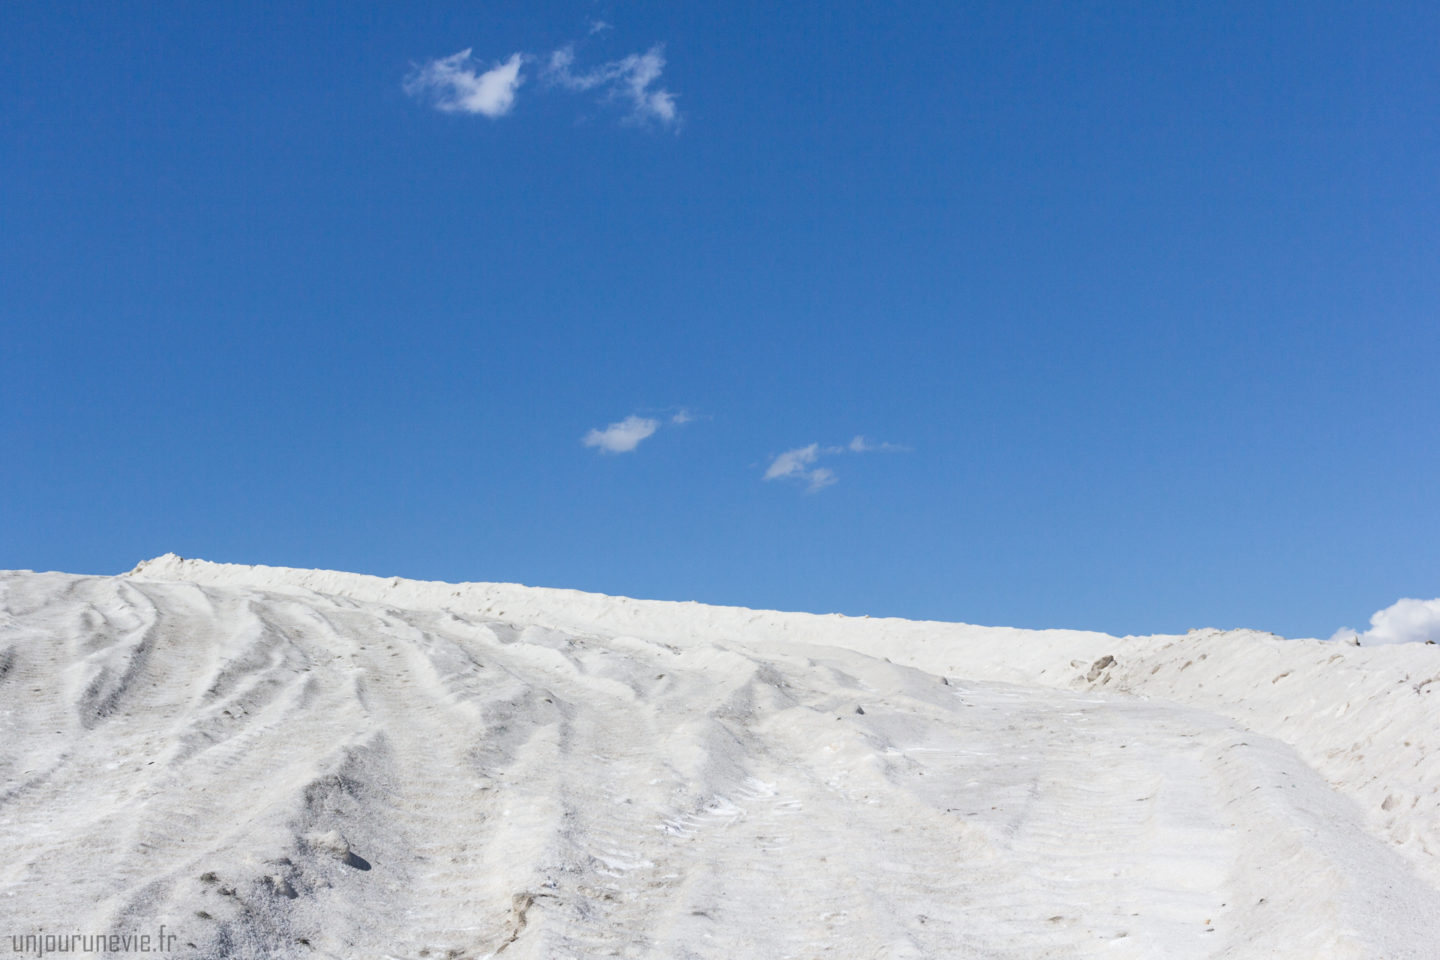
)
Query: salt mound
[{"x": 278, "y": 762}]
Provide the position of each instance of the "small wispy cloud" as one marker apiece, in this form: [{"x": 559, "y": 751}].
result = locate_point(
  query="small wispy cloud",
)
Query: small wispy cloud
[
  {"x": 799, "y": 464},
  {"x": 1404, "y": 621},
  {"x": 681, "y": 416},
  {"x": 792, "y": 463},
  {"x": 819, "y": 479},
  {"x": 861, "y": 445},
  {"x": 621, "y": 437},
  {"x": 456, "y": 84},
  {"x": 461, "y": 84},
  {"x": 631, "y": 79}
]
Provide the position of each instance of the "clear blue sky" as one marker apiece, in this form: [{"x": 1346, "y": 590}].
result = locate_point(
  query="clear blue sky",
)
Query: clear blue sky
[{"x": 1149, "y": 295}]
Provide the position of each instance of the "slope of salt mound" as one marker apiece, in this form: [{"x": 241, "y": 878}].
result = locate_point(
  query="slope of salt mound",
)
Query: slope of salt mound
[
  {"x": 296, "y": 763},
  {"x": 1363, "y": 717}
]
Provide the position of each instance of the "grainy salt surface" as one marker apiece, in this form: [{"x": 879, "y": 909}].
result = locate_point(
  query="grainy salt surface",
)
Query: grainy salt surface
[{"x": 296, "y": 763}]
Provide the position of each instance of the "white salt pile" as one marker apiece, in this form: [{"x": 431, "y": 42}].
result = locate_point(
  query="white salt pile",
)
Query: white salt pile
[{"x": 291, "y": 763}]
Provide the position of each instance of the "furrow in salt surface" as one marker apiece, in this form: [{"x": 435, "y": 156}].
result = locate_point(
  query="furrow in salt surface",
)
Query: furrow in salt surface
[{"x": 274, "y": 771}]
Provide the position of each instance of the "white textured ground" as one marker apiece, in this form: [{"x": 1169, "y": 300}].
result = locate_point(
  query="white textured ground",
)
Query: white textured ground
[{"x": 285, "y": 763}]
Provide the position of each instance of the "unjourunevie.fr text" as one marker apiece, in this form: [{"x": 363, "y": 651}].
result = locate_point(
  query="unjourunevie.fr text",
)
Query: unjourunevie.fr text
[{"x": 42, "y": 943}]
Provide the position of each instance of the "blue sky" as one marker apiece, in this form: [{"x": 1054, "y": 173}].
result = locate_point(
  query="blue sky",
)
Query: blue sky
[{"x": 1136, "y": 307}]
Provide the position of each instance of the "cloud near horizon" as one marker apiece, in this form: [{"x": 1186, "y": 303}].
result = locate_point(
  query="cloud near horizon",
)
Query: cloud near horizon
[
  {"x": 460, "y": 84},
  {"x": 798, "y": 464},
  {"x": 1404, "y": 621}
]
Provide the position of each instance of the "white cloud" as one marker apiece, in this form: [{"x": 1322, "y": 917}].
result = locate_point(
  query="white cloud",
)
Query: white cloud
[
  {"x": 820, "y": 478},
  {"x": 632, "y": 79},
  {"x": 862, "y": 445},
  {"x": 460, "y": 84},
  {"x": 621, "y": 437},
  {"x": 456, "y": 86},
  {"x": 1404, "y": 621},
  {"x": 798, "y": 464},
  {"x": 682, "y": 416},
  {"x": 792, "y": 463}
]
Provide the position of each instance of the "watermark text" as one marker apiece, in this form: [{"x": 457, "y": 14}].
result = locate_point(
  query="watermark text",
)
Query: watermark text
[{"x": 43, "y": 943}]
